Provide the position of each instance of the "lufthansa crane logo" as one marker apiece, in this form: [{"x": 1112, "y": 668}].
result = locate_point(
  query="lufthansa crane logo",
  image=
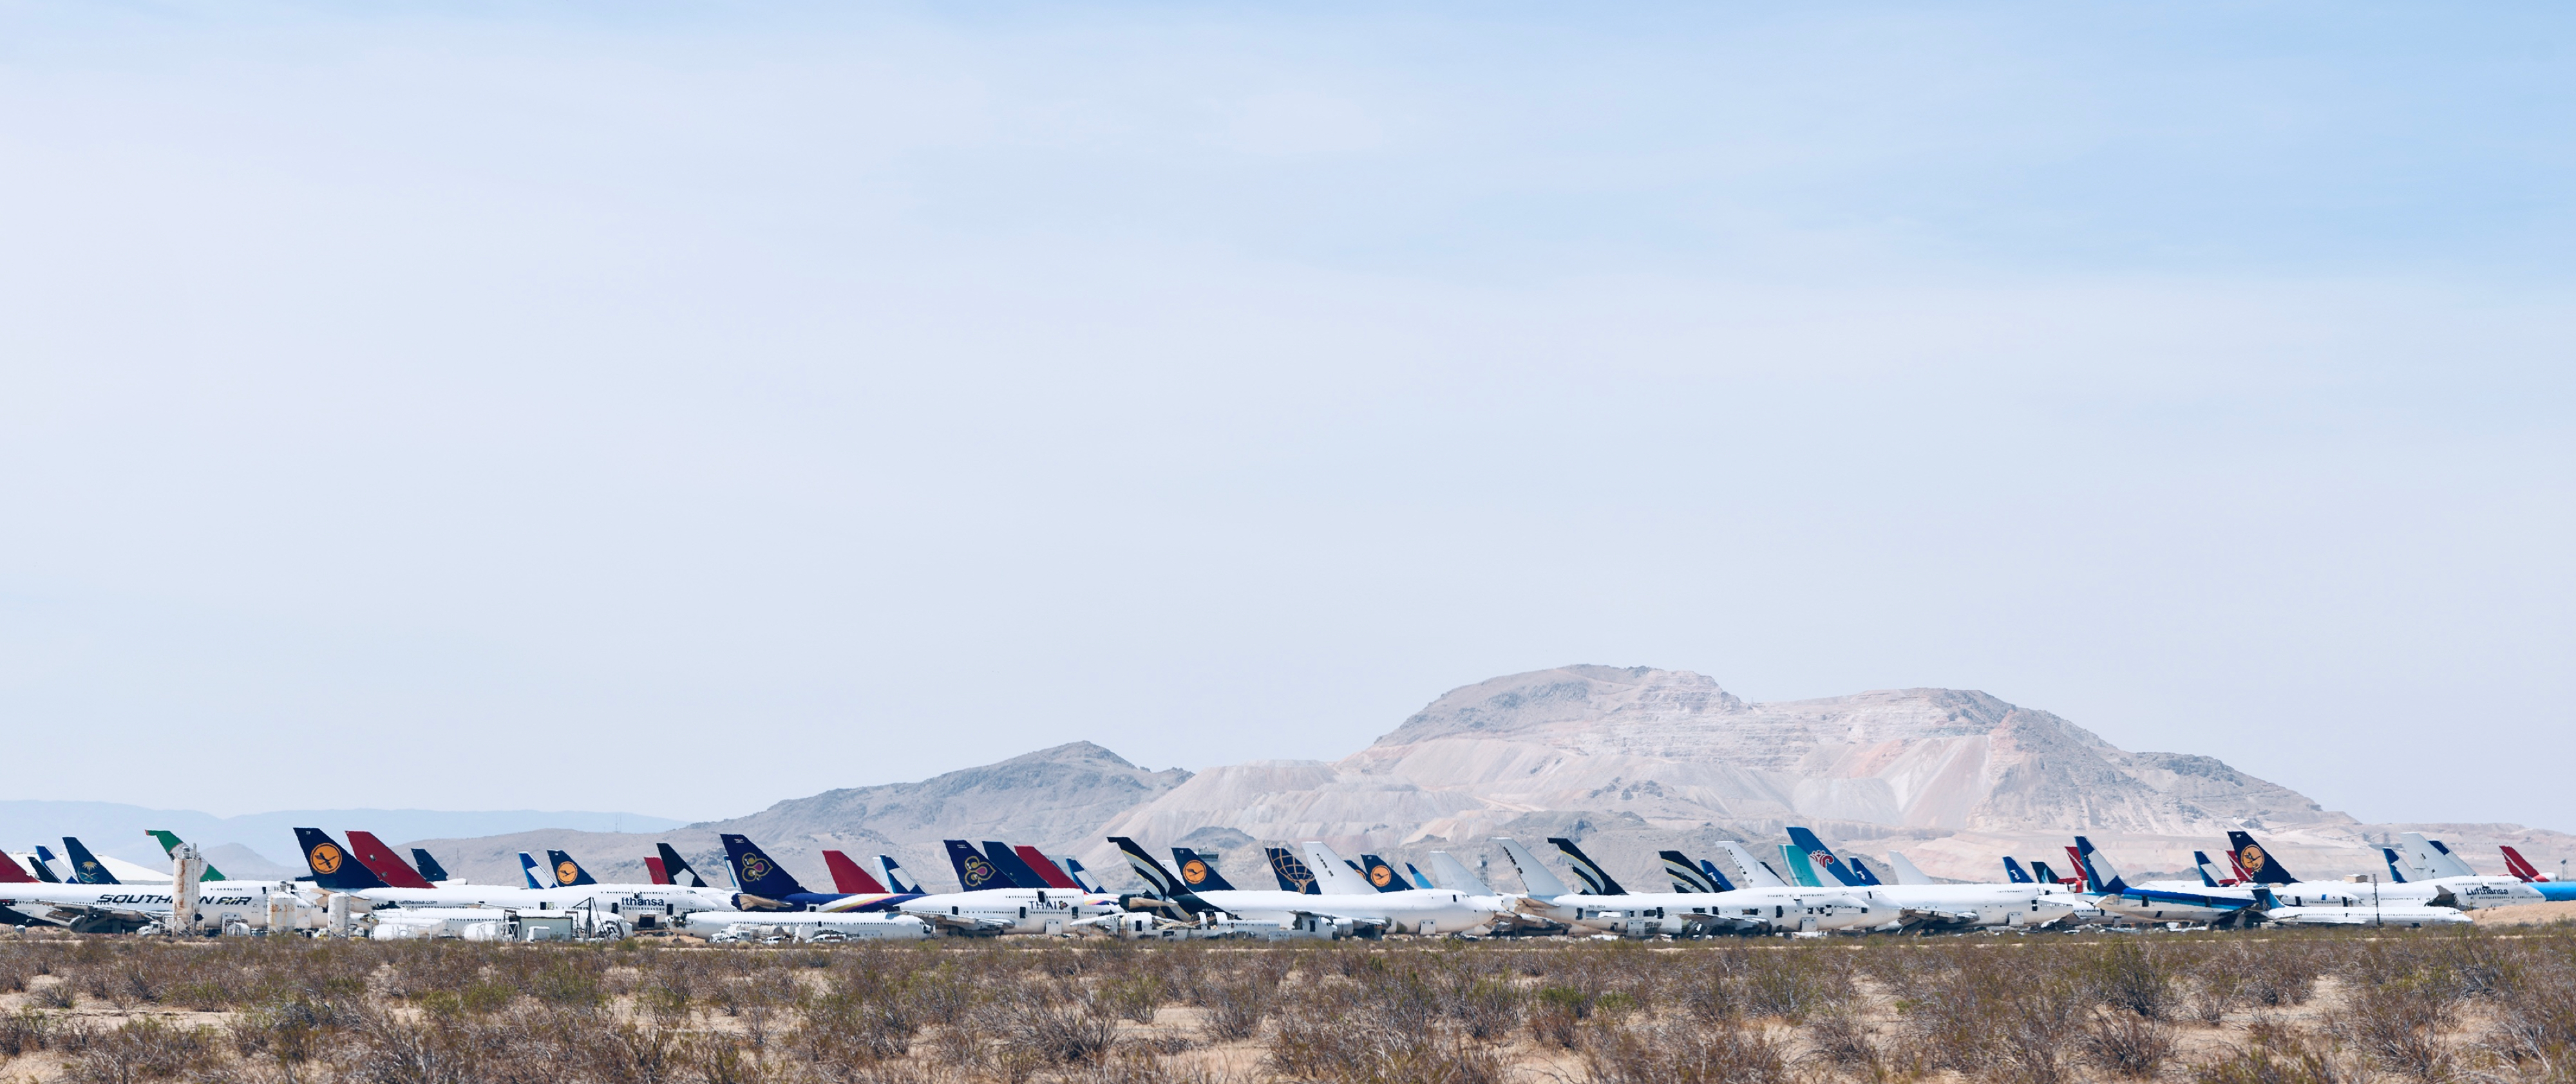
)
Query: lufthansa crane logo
[
  {"x": 566, "y": 873},
  {"x": 2251, "y": 858},
  {"x": 978, "y": 871},
  {"x": 1194, "y": 871},
  {"x": 326, "y": 858},
  {"x": 1379, "y": 875},
  {"x": 754, "y": 868}
]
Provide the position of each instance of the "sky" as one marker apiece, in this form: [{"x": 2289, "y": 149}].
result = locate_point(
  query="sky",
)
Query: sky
[{"x": 677, "y": 408}]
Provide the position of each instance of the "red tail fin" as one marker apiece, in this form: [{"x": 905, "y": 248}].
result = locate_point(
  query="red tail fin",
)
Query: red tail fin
[
  {"x": 12, "y": 873},
  {"x": 2521, "y": 867},
  {"x": 1047, "y": 869},
  {"x": 2239, "y": 867},
  {"x": 653, "y": 865},
  {"x": 848, "y": 877},
  {"x": 2075, "y": 862},
  {"x": 379, "y": 860}
]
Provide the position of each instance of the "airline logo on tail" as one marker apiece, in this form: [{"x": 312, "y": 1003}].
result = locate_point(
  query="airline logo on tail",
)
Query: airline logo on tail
[
  {"x": 325, "y": 858},
  {"x": 1293, "y": 874},
  {"x": 1194, "y": 872},
  {"x": 566, "y": 873},
  {"x": 755, "y": 866}
]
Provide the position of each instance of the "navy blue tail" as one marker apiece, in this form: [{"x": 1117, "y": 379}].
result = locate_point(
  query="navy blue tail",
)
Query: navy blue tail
[
  {"x": 1012, "y": 866},
  {"x": 2014, "y": 873},
  {"x": 333, "y": 866},
  {"x": 568, "y": 873},
  {"x": 673, "y": 866},
  {"x": 2260, "y": 867},
  {"x": 1380, "y": 875},
  {"x": 1596, "y": 880},
  {"x": 86, "y": 867},
  {"x": 1198, "y": 870},
  {"x": 429, "y": 867},
  {"x": 974, "y": 871},
  {"x": 1293, "y": 874},
  {"x": 757, "y": 873}
]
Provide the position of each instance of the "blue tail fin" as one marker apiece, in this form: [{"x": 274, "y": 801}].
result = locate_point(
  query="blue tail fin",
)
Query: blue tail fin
[
  {"x": 1860, "y": 868},
  {"x": 1822, "y": 858},
  {"x": 333, "y": 866},
  {"x": 1008, "y": 861},
  {"x": 2040, "y": 872},
  {"x": 673, "y": 866},
  {"x": 974, "y": 871},
  {"x": 2259, "y": 865},
  {"x": 44, "y": 864},
  {"x": 755, "y": 872},
  {"x": 2099, "y": 874},
  {"x": 568, "y": 873},
  {"x": 2396, "y": 875},
  {"x": 86, "y": 867},
  {"x": 1073, "y": 868},
  {"x": 1292, "y": 871},
  {"x": 2200, "y": 865},
  {"x": 1381, "y": 876},
  {"x": 528, "y": 870},
  {"x": 1596, "y": 880},
  {"x": 2013, "y": 872},
  {"x": 1198, "y": 871},
  {"x": 1716, "y": 876},
  {"x": 1419, "y": 881},
  {"x": 894, "y": 877},
  {"x": 429, "y": 867}
]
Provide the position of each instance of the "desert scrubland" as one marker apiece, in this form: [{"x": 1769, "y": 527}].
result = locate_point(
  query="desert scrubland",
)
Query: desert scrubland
[{"x": 2347, "y": 1005}]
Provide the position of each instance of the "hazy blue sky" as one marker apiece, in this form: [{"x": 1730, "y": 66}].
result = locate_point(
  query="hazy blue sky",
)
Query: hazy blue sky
[{"x": 676, "y": 408}]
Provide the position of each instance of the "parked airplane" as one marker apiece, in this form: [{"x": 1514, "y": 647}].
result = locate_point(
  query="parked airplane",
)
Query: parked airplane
[
  {"x": 1948, "y": 907},
  {"x": 634, "y": 906},
  {"x": 2263, "y": 869},
  {"x": 1607, "y": 905},
  {"x": 1344, "y": 899},
  {"x": 170, "y": 846},
  {"x": 2112, "y": 894},
  {"x": 124, "y": 908}
]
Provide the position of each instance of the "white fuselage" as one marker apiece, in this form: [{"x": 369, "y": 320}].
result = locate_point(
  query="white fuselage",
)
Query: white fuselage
[
  {"x": 1414, "y": 910},
  {"x": 1015, "y": 910},
  {"x": 219, "y": 903},
  {"x": 1773, "y": 910},
  {"x": 642, "y": 906},
  {"x": 2402, "y": 914},
  {"x": 1978, "y": 905}
]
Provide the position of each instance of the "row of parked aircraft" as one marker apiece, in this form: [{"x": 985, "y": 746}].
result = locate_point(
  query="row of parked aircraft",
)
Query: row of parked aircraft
[{"x": 1007, "y": 889}]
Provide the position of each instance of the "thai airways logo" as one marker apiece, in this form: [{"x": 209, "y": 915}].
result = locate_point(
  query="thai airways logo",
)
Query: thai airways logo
[
  {"x": 755, "y": 868},
  {"x": 566, "y": 873},
  {"x": 1380, "y": 875},
  {"x": 978, "y": 871},
  {"x": 2252, "y": 859},
  {"x": 1194, "y": 871},
  {"x": 325, "y": 858}
]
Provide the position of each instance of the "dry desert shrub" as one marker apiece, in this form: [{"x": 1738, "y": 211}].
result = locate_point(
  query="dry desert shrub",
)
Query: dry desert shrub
[
  {"x": 1331, "y": 1049},
  {"x": 144, "y": 1048},
  {"x": 2398, "y": 1021},
  {"x": 2129, "y": 973},
  {"x": 25, "y": 1031},
  {"x": 2127, "y": 1044},
  {"x": 1674, "y": 1053}
]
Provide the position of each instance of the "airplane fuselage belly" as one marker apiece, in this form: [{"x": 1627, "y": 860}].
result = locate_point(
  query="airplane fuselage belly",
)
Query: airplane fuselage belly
[{"x": 1446, "y": 911}]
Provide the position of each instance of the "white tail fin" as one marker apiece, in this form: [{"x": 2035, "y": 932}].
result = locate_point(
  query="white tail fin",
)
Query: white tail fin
[
  {"x": 1450, "y": 874},
  {"x": 1748, "y": 872},
  {"x": 1331, "y": 875},
  {"x": 1535, "y": 877},
  {"x": 1906, "y": 874},
  {"x": 2434, "y": 861}
]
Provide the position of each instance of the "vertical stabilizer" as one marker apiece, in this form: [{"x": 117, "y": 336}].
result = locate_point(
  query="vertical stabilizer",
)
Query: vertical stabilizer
[
  {"x": 974, "y": 871},
  {"x": 428, "y": 866},
  {"x": 2435, "y": 859},
  {"x": 1198, "y": 870},
  {"x": 848, "y": 877},
  {"x": 1685, "y": 874},
  {"x": 2257, "y": 861},
  {"x": 1451, "y": 874},
  {"x": 894, "y": 878},
  {"x": 653, "y": 870},
  {"x": 681, "y": 873},
  {"x": 1538, "y": 880},
  {"x": 381, "y": 861},
  {"x": 1596, "y": 880},
  {"x": 1073, "y": 868},
  {"x": 170, "y": 846},
  {"x": 1380, "y": 875},
  {"x": 757, "y": 873},
  {"x": 2013, "y": 873},
  {"x": 1801, "y": 871},
  {"x": 1048, "y": 872},
  {"x": 332, "y": 867},
  {"x": 1331, "y": 873},
  {"x": 1907, "y": 873},
  {"x": 568, "y": 873},
  {"x": 86, "y": 868},
  {"x": 2521, "y": 868},
  {"x": 1822, "y": 862},
  {"x": 1292, "y": 872}
]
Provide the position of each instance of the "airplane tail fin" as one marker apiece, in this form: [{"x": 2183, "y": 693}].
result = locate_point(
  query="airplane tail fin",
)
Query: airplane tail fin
[
  {"x": 1022, "y": 875},
  {"x": 379, "y": 860},
  {"x": 848, "y": 878},
  {"x": 2434, "y": 858},
  {"x": 974, "y": 871},
  {"x": 1715, "y": 876},
  {"x": 1159, "y": 880},
  {"x": 2396, "y": 875},
  {"x": 1452, "y": 874},
  {"x": 1048, "y": 872},
  {"x": 1822, "y": 857},
  {"x": 1860, "y": 868},
  {"x": 1293, "y": 873},
  {"x": 1538, "y": 879},
  {"x": 2522, "y": 870},
  {"x": 170, "y": 845},
  {"x": 1082, "y": 878},
  {"x": 11, "y": 873},
  {"x": 2040, "y": 871},
  {"x": 528, "y": 870},
  {"x": 1595, "y": 879},
  {"x": 43, "y": 860},
  {"x": 86, "y": 868},
  {"x": 1750, "y": 871},
  {"x": 332, "y": 866},
  {"x": 1198, "y": 870},
  {"x": 894, "y": 876},
  {"x": 1381, "y": 876},
  {"x": 2201, "y": 863},
  {"x": 2257, "y": 862},
  {"x": 1906, "y": 871},
  {"x": 653, "y": 870},
  {"x": 1414, "y": 874},
  {"x": 755, "y": 872},
  {"x": 1801, "y": 870},
  {"x": 1685, "y": 874},
  {"x": 2099, "y": 874},
  {"x": 1337, "y": 876},
  {"x": 568, "y": 873},
  {"x": 428, "y": 866},
  {"x": 674, "y": 866},
  {"x": 2013, "y": 872}
]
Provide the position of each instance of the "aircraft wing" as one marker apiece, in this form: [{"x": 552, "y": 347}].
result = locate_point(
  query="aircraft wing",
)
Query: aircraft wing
[
  {"x": 1936, "y": 918},
  {"x": 968, "y": 925}
]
